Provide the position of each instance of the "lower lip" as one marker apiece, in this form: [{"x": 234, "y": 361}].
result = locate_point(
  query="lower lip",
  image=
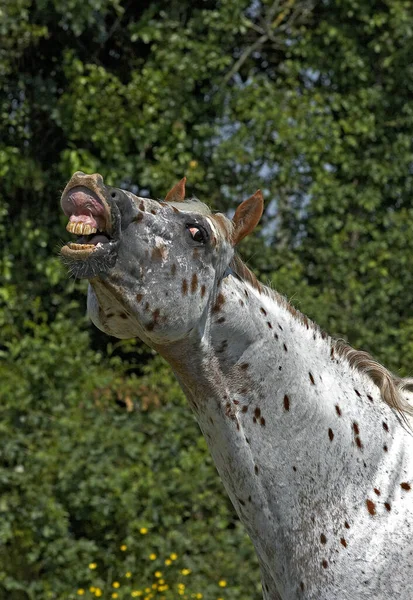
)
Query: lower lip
[{"x": 78, "y": 251}]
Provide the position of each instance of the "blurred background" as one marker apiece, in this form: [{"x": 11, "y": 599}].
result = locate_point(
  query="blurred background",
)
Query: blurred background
[{"x": 106, "y": 487}]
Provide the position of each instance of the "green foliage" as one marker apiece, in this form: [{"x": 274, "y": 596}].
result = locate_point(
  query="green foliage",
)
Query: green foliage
[{"x": 310, "y": 103}]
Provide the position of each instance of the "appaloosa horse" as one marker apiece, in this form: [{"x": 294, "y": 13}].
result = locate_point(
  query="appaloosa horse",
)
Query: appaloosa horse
[{"x": 310, "y": 437}]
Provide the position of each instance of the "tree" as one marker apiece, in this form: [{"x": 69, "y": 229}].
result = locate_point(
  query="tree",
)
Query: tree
[{"x": 310, "y": 102}]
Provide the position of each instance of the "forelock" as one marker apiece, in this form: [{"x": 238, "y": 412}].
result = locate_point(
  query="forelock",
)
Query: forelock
[{"x": 192, "y": 205}]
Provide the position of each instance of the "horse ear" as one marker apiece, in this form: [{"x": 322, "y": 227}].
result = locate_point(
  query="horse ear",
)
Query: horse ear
[
  {"x": 177, "y": 193},
  {"x": 247, "y": 216}
]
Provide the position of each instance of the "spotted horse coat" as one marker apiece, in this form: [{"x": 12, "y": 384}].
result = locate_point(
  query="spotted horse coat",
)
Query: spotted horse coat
[{"x": 310, "y": 437}]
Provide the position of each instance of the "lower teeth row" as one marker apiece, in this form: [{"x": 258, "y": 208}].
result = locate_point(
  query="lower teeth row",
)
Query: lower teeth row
[{"x": 74, "y": 246}]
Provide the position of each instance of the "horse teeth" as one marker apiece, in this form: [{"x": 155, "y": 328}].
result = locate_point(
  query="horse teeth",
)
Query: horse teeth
[
  {"x": 74, "y": 246},
  {"x": 80, "y": 228}
]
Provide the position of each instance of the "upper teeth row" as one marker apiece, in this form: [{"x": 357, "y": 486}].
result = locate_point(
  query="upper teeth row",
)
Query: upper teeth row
[{"x": 82, "y": 228}]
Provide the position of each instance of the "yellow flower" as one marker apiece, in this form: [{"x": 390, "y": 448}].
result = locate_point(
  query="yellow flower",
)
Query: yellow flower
[
  {"x": 136, "y": 593},
  {"x": 92, "y": 589},
  {"x": 193, "y": 164},
  {"x": 154, "y": 586},
  {"x": 185, "y": 571},
  {"x": 222, "y": 583},
  {"x": 116, "y": 584},
  {"x": 115, "y": 595},
  {"x": 147, "y": 590},
  {"x": 143, "y": 530},
  {"x": 152, "y": 556},
  {"x": 181, "y": 586},
  {"x": 173, "y": 556},
  {"x": 168, "y": 562},
  {"x": 158, "y": 574},
  {"x": 124, "y": 547},
  {"x": 92, "y": 565},
  {"x": 161, "y": 581},
  {"x": 80, "y": 592},
  {"x": 128, "y": 574},
  {"x": 198, "y": 595},
  {"x": 98, "y": 592}
]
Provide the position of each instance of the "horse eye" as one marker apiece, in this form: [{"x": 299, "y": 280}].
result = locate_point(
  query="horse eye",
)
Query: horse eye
[{"x": 197, "y": 234}]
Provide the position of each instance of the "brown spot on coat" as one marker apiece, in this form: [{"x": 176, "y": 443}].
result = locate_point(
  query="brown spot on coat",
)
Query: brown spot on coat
[
  {"x": 343, "y": 542},
  {"x": 356, "y": 428},
  {"x": 357, "y": 392},
  {"x": 359, "y": 443},
  {"x": 173, "y": 269},
  {"x": 262, "y": 422},
  {"x": 142, "y": 206},
  {"x": 286, "y": 402},
  {"x": 184, "y": 287},
  {"x": 377, "y": 492},
  {"x": 256, "y": 470},
  {"x": 311, "y": 378},
  {"x": 139, "y": 297},
  {"x": 323, "y": 539},
  {"x": 203, "y": 290},
  {"x": 385, "y": 426},
  {"x": 331, "y": 434},
  {"x": 371, "y": 507},
  {"x": 244, "y": 408},
  {"x": 219, "y": 302},
  {"x": 138, "y": 217},
  {"x": 406, "y": 486},
  {"x": 257, "y": 412},
  {"x": 194, "y": 283},
  {"x": 338, "y": 410},
  {"x": 387, "y": 506},
  {"x": 244, "y": 366},
  {"x": 264, "y": 312},
  {"x": 325, "y": 564},
  {"x": 346, "y": 525},
  {"x": 155, "y": 320},
  {"x": 158, "y": 252},
  {"x": 285, "y": 348}
]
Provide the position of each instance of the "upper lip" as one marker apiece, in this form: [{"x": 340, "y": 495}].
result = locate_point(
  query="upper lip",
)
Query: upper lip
[{"x": 87, "y": 207}]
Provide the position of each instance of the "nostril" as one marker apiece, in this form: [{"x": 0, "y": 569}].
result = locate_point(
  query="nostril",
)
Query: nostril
[{"x": 113, "y": 194}]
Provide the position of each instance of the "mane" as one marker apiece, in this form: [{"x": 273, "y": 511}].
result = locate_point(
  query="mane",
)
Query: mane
[{"x": 392, "y": 388}]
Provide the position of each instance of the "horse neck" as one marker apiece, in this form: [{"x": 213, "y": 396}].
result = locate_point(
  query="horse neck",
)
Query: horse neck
[{"x": 281, "y": 413}]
